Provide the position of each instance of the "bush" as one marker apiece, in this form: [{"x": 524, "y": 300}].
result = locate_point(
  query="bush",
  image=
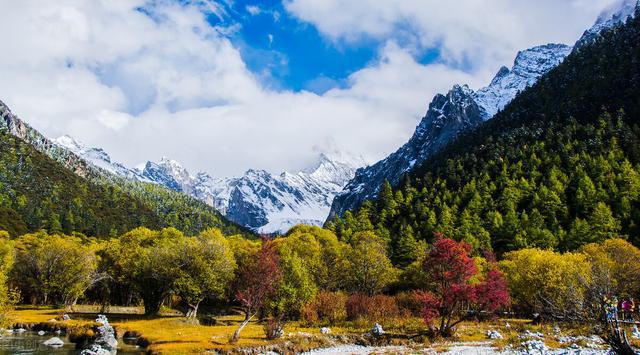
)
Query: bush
[
  {"x": 327, "y": 307},
  {"x": 273, "y": 329},
  {"x": 373, "y": 308},
  {"x": 409, "y": 304}
]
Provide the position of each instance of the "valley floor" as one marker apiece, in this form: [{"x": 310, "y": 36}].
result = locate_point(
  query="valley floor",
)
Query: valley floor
[{"x": 173, "y": 334}]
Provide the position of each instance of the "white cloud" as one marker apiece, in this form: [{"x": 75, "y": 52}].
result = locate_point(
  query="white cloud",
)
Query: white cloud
[
  {"x": 482, "y": 32},
  {"x": 253, "y": 10},
  {"x": 168, "y": 83}
]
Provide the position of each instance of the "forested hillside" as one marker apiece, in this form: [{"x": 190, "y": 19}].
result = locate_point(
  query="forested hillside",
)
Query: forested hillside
[
  {"x": 39, "y": 193},
  {"x": 557, "y": 168}
]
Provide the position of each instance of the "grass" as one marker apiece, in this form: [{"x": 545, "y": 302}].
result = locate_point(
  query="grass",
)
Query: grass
[
  {"x": 177, "y": 335},
  {"x": 172, "y": 334}
]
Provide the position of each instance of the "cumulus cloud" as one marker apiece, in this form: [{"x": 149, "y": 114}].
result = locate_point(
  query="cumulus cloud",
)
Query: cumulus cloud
[
  {"x": 468, "y": 32},
  {"x": 145, "y": 81}
]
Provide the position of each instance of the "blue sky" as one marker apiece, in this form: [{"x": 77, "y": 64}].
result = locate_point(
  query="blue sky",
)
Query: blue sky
[{"x": 286, "y": 53}]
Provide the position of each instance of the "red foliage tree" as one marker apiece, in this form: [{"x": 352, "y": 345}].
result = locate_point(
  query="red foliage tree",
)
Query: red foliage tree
[
  {"x": 450, "y": 269},
  {"x": 256, "y": 282}
]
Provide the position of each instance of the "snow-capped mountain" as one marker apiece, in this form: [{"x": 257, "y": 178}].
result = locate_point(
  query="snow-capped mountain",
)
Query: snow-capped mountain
[
  {"x": 448, "y": 115},
  {"x": 262, "y": 201},
  {"x": 528, "y": 66},
  {"x": 618, "y": 12},
  {"x": 96, "y": 156},
  {"x": 462, "y": 109}
]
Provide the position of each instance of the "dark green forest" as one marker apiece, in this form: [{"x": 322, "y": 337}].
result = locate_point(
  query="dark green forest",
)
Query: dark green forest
[
  {"x": 557, "y": 168},
  {"x": 39, "y": 193}
]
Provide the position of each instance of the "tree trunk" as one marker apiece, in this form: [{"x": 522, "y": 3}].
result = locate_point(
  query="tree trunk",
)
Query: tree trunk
[
  {"x": 192, "y": 312},
  {"x": 152, "y": 306},
  {"x": 236, "y": 334}
]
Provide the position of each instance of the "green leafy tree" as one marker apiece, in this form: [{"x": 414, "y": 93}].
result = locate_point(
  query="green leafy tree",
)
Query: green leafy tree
[
  {"x": 54, "y": 269},
  {"x": 370, "y": 270},
  {"x": 206, "y": 266}
]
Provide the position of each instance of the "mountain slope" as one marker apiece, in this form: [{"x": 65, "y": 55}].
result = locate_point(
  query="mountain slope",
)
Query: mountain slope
[
  {"x": 529, "y": 65},
  {"x": 448, "y": 116},
  {"x": 558, "y": 168},
  {"x": 62, "y": 188},
  {"x": 37, "y": 192}
]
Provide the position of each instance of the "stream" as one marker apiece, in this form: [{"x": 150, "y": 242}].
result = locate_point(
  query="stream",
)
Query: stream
[{"x": 30, "y": 342}]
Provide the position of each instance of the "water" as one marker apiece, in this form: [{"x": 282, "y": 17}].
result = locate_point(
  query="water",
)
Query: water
[{"x": 31, "y": 343}]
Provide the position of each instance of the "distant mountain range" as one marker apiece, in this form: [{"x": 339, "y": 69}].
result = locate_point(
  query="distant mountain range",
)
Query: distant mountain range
[
  {"x": 45, "y": 185},
  {"x": 264, "y": 202},
  {"x": 463, "y": 109}
]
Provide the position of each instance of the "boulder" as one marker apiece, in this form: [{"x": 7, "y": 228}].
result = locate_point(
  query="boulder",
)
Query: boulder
[
  {"x": 377, "y": 330},
  {"x": 41, "y": 333},
  {"x": 95, "y": 350},
  {"x": 325, "y": 330},
  {"x": 494, "y": 334},
  {"x": 54, "y": 342}
]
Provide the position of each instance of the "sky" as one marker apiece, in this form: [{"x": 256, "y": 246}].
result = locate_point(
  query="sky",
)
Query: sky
[{"x": 225, "y": 86}]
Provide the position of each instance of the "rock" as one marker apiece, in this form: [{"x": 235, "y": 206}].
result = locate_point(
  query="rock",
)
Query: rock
[
  {"x": 535, "y": 347},
  {"x": 106, "y": 339},
  {"x": 635, "y": 334},
  {"x": 66, "y": 317},
  {"x": 556, "y": 329},
  {"x": 377, "y": 330},
  {"x": 531, "y": 335},
  {"x": 54, "y": 342},
  {"x": 507, "y": 325},
  {"x": 41, "y": 333},
  {"x": 95, "y": 350},
  {"x": 494, "y": 334},
  {"x": 325, "y": 330},
  {"x": 20, "y": 330}
]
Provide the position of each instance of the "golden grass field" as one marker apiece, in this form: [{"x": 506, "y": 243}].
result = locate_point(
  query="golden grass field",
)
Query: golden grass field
[{"x": 172, "y": 334}]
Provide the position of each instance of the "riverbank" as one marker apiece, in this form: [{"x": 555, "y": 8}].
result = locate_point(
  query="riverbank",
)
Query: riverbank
[{"x": 172, "y": 334}]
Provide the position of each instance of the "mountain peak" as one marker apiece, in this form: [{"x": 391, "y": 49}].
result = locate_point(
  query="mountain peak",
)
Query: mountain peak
[
  {"x": 528, "y": 66},
  {"x": 617, "y": 13}
]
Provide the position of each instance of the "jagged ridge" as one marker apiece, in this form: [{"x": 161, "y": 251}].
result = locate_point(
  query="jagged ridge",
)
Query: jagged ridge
[{"x": 462, "y": 109}]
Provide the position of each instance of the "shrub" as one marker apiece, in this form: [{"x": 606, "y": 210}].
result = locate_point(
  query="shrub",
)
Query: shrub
[
  {"x": 327, "y": 307},
  {"x": 409, "y": 303},
  {"x": 373, "y": 308},
  {"x": 331, "y": 306},
  {"x": 273, "y": 329}
]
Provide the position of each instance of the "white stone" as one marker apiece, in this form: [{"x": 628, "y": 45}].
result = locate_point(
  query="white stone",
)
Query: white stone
[{"x": 54, "y": 342}]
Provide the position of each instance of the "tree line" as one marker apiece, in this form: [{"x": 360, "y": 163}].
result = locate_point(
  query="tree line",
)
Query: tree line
[{"x": 311, "y": 275}]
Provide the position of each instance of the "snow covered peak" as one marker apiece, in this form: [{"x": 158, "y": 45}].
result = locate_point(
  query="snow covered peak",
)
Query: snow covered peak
[
  {"x": 335, "y": 167},
  {"x": 95, "y": 156},
  {"x": 259, "y": 200},
  {"x": 69, "y": 143},
  {"x": 528, "y": 66},
  {"x": 82, "y": 150},
  {"x": 618, "y": 12}
]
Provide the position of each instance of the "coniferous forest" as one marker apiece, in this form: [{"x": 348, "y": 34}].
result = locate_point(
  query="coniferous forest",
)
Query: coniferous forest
[{"x": 558, "y": 168}]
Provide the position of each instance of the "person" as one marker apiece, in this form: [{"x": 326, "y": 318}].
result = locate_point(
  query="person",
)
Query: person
[{"x": 627, "y": 309}]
